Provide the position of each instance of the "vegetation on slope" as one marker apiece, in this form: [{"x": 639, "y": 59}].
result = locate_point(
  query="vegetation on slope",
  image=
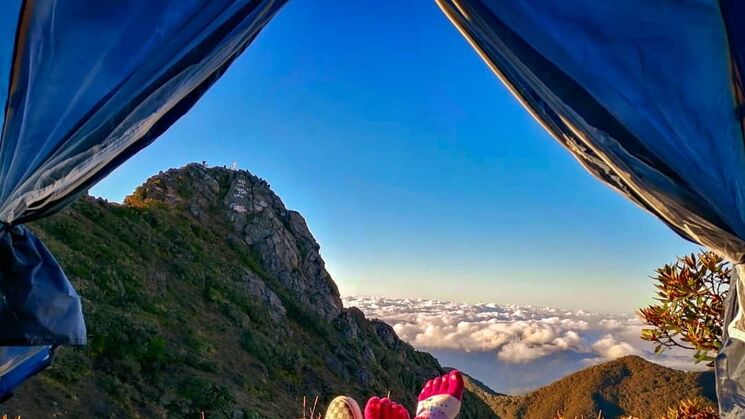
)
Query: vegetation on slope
[
  {"x": 628, "y": 386},
  {"x": 184, "y": 316}
]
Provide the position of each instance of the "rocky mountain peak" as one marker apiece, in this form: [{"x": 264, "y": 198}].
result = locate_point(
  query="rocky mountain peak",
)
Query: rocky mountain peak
[
  {"x": 204, "y": 294},
  {"x": 252, "y": 214}
]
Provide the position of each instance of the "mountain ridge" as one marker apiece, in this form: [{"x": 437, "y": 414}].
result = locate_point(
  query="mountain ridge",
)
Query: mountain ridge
[{"x": 627, "y": 386}]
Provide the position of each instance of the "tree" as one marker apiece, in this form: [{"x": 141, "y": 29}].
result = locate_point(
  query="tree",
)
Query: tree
[{"x": 690, "y": 313}]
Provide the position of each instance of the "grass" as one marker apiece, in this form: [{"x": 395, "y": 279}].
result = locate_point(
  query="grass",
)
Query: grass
[{"x": 309, "y": 412}]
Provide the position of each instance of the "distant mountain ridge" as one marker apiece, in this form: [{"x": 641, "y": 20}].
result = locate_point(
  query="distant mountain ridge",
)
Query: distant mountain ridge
[{"x": 628, "y": 386}]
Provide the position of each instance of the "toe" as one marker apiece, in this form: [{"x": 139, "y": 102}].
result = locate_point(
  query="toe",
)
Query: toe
[
  {"x": 426, "y": 390},
  {"x": 372, "y": 409},
  {"x": 436, "y": 385},
  {"x": 399, "y": 412},
  {"x": 385, "y": 408},
  {"x": 445, "y": 384},
  {"x": 455, "y": 384}
]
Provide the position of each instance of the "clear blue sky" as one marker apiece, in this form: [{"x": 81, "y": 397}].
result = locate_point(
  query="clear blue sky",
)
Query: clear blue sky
[{"x": 416, "y": 170}]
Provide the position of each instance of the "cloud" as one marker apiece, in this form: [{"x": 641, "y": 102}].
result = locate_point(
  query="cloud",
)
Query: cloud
[
  {"x": 537, "y": 346},
  {"x": 516, "y": 334},
  {"x": 610, "y": 348}
]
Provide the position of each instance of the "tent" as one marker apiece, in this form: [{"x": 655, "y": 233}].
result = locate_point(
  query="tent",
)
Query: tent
[{"x": 646, "y": 94}]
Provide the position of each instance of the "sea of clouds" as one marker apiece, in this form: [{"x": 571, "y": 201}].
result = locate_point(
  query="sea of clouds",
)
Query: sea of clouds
[{"x": 516, "y": 338}]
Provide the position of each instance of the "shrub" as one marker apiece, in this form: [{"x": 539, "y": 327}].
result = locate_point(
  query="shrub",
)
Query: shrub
[
  {"x": 276, "y": 358},
  {"x": 205, "y": 395},
  {"x": 690, "y": 313},
  {"x": 70, "y": 365},
  {"x": 128, "y": 344}
]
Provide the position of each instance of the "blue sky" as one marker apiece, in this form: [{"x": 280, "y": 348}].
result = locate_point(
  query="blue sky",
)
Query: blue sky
[{"x": 416, "y": 170}]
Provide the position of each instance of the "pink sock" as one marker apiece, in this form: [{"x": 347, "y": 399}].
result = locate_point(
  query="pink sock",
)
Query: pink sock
[
  {"x": 441, "y": 398},
  {"x": 384, "y": 409}
]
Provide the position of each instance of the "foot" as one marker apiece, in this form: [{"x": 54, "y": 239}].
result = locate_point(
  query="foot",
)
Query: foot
[
  {"x": 384, "y": 409},
  {"x": 441, "y": 398},
  {"x": 343, "y": 407}
]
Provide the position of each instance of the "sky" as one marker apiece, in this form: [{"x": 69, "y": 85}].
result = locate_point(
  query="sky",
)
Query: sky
[{"x": 417, "y": 172}]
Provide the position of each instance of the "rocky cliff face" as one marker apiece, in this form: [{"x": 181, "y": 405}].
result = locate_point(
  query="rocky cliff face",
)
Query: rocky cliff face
[
  {"x": 280, "y": 237},
  {"x": 202, "y": 292}
]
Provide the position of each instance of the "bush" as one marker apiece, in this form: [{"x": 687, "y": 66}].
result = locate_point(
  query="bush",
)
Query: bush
[
  {"x": 204, "y": 395},
  {"x": 690, "y": 313},
  {"x": 129, "y": 345},
  {"x": 70, "y": 365},
  {"x": 276, "y": 358}
]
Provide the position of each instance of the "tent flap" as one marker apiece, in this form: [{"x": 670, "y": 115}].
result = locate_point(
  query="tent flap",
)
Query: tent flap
[
  {"x": 18, "y": 363},
  {"x": 40, "y": 305},
  {"x": 72, "y": 116},
  {"x": 89, "y": 84},
  {"x": 629, "y": 115}
]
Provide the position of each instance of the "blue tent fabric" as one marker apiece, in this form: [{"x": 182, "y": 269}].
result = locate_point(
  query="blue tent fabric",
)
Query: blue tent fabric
[
  {"x": 40, "y": 305},
  {"x": 89, "y": 84},
  {"x": 19, "y": 363},
  {"x": 70, "y": 114},
  {"x": 733, "y": 12},
  {"x": 646, "y": 94},
  {"x": 8, "y": 29}
]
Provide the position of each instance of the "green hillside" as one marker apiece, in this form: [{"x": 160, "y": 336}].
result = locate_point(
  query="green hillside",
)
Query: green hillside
[{"x": 204, "y": 293}]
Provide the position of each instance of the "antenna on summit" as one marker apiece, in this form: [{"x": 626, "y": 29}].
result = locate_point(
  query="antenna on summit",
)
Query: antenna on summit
[{"x": 234, "y": 166}]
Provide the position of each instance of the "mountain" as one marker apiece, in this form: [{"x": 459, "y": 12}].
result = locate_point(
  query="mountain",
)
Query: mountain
[
  {"x": 202, "y": 292},
  {"x": 628, "y": 386}
]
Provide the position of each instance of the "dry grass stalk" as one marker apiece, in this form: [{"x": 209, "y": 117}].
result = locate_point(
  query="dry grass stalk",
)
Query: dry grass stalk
[{"x": 310, "y": 413}]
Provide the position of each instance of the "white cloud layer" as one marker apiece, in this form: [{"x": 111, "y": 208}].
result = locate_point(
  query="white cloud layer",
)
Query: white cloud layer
[{"x": 516, "y": 334}]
